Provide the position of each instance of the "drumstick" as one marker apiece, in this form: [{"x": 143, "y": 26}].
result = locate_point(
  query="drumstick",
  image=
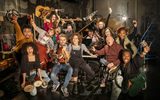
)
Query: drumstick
[{"x": 34, "y": 35}]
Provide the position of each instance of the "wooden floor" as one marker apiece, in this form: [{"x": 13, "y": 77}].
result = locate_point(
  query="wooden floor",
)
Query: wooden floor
[{"x": 152, "y": 92}]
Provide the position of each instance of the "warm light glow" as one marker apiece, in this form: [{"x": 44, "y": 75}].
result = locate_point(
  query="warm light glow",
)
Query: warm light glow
[{"x": 124, "y": 18}]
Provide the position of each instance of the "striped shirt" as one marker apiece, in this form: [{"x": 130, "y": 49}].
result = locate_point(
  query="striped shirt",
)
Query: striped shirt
[{"x": 44, "y": 39}]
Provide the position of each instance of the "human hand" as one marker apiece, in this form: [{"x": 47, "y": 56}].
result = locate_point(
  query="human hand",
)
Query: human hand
[
  {"x": 93, "y": 49},
  {"x": 134, "y": 23},
  {"x": 23, "y": 84},
  {"x": 110, "y": 65},
  {"x": 110, "y": 10},
  {"x": 129, "y": 84},
  {"x": 14, "y": 19},
  {"x": 56, "y": 10}
]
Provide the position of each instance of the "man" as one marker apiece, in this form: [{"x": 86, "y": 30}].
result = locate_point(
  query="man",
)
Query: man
[
  {"x": 111, "y": 50},
  {"x": 62, "y": 64},
  {"x": 70, "y": 29},
  {"x": 22, "y": 36}
]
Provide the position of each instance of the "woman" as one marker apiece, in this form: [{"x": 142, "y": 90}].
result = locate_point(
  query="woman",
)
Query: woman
[
  {"x": 30, "y": 65},
  {"x": 52, "y": 22},
  {"x": 134, "y": 78},
  {"x": 108, "y": 32},
  {"x": 44, "y": 45},
  {"x": 124, "y": 41},
  {"x": 76, "y": 49}
]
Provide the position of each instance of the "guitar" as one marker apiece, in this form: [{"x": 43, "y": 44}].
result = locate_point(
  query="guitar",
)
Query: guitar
[
  {"x": 44, "y": 11},
  {"x": 138, "y": 84}
]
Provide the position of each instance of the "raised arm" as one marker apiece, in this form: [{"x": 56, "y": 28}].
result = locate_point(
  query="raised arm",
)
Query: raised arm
[
  {"x": 38, "y": 29},
  {"x": 73, "y": 25},
  {"x": 110, "y": 11},
  {"x": 19, "y": 34},
  {"x": 132, "y": 36}
]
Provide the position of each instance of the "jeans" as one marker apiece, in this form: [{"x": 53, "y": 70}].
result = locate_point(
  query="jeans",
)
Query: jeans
[
  {"x": 57, "y": 68},
  {"x": 115, "y": 89},
  {"x": 45, "y": 75},
  {"x": 32, "y": 76},
  {"x": 103, "y": 61}
]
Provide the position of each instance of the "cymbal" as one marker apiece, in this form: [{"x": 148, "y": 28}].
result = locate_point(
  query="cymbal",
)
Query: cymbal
[
  {"x": 28, "y": 88},
  {"x": 37, "y": 83},
  {"x": 44, "y": 84}
]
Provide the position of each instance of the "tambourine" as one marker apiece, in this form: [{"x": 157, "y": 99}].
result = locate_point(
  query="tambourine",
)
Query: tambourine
[
  {"x": 37, "y": 83},
  {"x": 28, "y": 88},
  {"x": 44, "y": 84},
  {"x": 11, "y": 13},
  {"x": 113, "y": 69}
]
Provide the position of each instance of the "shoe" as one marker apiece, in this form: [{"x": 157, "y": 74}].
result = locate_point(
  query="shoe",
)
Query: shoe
[
  {"x": 55, "y": 87},
  {"x": 65, "y": 91},
  {"x": 70, "y": 87},
  {"x": 102, "y": 85}
]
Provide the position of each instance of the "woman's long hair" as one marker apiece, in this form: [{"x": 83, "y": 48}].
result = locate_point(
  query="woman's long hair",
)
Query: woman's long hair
[
  {"x": 26, "y": 45},
  {"x": 79, "y": 38}
]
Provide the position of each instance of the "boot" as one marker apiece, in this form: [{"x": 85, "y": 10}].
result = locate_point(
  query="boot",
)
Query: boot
[
  {"x": 75, "y": 89},
  {"x": 70, "y": 87}
]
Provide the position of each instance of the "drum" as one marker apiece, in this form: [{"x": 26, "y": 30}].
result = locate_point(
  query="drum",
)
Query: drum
[
  {"x": 34, "y": 91},
  {"x": 37, "y": 83},
  {"x": 44, "y": 84},
  {"x": 28, "y": 88}
]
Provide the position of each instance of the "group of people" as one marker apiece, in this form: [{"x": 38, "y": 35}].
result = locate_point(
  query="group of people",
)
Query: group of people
[{"x": 64, "y": 48}]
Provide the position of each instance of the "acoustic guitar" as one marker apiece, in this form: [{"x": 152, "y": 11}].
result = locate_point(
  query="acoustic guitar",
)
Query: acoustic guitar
[
  {"x": 44, "y": 11},
  {"x": 138, "y": 84}
]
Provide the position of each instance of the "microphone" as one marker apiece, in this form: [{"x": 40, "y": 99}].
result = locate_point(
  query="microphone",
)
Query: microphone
[{"x": 90, "y": 15}]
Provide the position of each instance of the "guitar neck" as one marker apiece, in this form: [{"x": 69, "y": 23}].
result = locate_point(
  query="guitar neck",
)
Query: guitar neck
[
  {"x": 53, "y": 9},
  {"x": 72, "y": 19}
]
